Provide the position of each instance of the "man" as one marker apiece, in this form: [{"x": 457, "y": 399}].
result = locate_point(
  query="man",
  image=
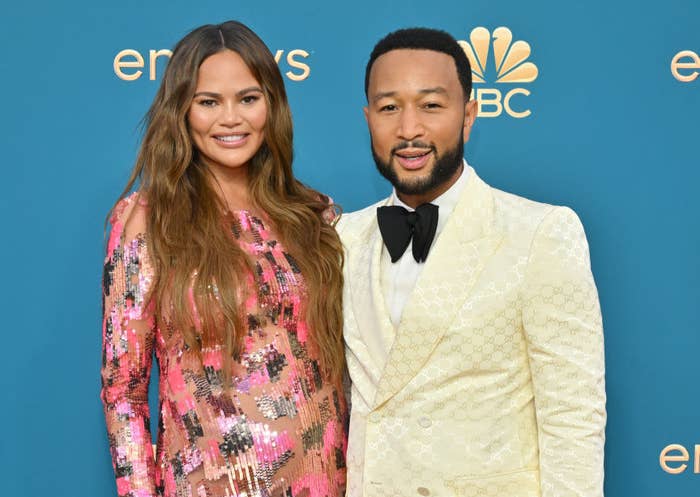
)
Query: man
[{"x": 476, "y": 356}]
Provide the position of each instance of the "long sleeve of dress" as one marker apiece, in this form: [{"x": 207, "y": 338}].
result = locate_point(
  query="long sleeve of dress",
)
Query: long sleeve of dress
[{"x": 128, "y": 337}]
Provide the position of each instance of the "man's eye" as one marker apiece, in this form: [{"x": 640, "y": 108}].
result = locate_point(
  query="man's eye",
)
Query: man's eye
[
  {"x": 387, "y": 108},
  {"x": 432, "y": 105}
]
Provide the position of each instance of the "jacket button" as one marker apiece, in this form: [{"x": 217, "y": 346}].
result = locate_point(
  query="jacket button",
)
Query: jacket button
[
  {"x": 425, "y": 423},
  {"x": 374, "y": 417},
  {"x": 423, "y": 491}
]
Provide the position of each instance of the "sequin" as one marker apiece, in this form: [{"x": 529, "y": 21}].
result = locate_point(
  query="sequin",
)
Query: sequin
[{"x": 279, "y": 431}]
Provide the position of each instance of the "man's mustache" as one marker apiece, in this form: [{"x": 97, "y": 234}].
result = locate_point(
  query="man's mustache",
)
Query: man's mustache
[{"x": 412, "y": 144}]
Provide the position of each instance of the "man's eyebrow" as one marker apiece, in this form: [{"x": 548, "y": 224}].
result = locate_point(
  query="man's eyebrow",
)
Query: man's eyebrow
[
  {"x": 424, "y": 91},
  {"x": 238, "y": 93},
  {"x": 436, "y": 89},
  {"x": 384, "y": 94}
]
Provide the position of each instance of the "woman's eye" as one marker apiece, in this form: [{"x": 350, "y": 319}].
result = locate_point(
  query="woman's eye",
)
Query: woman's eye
[
  {"x": 249, "y": 99},
  {"x": 209, "y": 102}
]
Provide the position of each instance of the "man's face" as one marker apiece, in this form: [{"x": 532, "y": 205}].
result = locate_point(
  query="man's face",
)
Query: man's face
[{"x": 418, "y": 121}]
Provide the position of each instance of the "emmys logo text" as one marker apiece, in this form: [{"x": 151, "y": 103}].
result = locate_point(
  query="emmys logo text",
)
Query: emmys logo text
[
  {"x": 508, "y": 66},
  {"x": 675, "y": 458},
  {"x": 685, "y": 65},
  {"x": 130, "y": 64}
]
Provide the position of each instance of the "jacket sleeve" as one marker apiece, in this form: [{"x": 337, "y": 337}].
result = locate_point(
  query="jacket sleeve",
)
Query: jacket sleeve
[
  {"x": 128, "y": 336},
  {"x": 563, "y": 326}
]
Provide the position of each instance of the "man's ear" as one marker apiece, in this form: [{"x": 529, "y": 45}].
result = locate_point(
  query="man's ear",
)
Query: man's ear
[
  {"x": 471, "y": 109},
  {"x": 365, "y": 109}
]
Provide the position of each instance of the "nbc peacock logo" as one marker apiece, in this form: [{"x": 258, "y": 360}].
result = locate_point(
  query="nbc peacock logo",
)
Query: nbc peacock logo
[{"x": 508, "y": 65}]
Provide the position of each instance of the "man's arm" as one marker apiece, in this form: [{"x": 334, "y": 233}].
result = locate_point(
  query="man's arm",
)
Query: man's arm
[{"x": 563, "y": 326}]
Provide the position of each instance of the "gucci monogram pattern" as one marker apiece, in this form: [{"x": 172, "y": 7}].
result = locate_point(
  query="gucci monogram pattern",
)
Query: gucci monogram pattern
[{"x": 494, "y": 383}]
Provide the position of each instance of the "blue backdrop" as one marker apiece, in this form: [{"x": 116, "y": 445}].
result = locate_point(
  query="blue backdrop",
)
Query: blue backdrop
[{"x": 611, "y": 133}]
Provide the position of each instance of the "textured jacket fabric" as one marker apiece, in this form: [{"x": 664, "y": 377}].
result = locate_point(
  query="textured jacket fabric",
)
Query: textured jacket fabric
[{"x": 494, "y": 384}]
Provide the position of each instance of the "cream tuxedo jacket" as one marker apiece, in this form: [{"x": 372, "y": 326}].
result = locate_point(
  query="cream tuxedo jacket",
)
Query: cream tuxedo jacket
[{"x": 494, "y": 385}]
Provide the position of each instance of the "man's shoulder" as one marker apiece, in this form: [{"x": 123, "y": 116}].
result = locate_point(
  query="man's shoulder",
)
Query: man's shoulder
[
  {"x": 353, "y": 223},
  {"x": 505, "y": 209},
  {"x": 517, "y": 215},
  {"x": 515, "y": 206},
  {"x": 521, "y": 217}
]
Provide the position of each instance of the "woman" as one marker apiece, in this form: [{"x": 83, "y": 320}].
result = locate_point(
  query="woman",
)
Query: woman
[{"x": 228, "y": 269}]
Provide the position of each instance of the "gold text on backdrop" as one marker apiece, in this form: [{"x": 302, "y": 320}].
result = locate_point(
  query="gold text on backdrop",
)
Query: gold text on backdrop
[
  {"x": 128, "y": 63},
  {"x": 134, "y": 60},
  {"x": 683, "y": 66},
  {"x": 676, "y": 453},
  {"x": 510, "y": 67}
]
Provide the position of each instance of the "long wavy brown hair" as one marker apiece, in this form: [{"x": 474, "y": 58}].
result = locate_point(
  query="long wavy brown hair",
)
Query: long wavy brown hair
[{"x": 190, "y": 245}]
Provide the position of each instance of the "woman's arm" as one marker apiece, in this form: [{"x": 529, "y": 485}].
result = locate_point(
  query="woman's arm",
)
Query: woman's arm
[{"x": 128, "y": 335}]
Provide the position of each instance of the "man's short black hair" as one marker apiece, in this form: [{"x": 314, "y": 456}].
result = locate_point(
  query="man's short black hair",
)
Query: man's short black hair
[{"x": 424, "y": 39}]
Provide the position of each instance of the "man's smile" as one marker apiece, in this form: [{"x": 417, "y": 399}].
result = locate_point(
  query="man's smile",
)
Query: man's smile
[{"x": 412, "y": 158}]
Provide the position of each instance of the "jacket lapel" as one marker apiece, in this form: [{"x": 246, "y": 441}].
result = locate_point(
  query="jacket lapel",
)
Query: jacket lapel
[
  {"x": 367, "y": 300},
  {"x": 453, "y": 266}
]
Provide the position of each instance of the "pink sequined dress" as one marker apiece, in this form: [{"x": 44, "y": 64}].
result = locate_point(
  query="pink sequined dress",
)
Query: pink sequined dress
[{"x": 279, "y": 431}]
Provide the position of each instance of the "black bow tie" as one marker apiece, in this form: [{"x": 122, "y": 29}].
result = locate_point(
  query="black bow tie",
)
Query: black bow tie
[{"x": 398, "y": 226}]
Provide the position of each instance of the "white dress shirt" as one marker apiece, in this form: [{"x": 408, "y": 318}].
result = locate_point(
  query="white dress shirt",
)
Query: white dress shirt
[{"x": 399, "y": 278}]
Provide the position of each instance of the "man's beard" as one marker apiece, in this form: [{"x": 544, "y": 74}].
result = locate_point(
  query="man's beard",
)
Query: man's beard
[{"x": 446, "y": 165}]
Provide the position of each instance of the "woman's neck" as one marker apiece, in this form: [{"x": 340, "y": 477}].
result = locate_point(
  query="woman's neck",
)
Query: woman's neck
[{"x": 231, "y": 183}]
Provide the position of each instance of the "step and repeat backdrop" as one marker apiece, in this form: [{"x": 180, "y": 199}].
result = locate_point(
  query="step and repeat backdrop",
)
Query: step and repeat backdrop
[{"x": 594, "y": 105}]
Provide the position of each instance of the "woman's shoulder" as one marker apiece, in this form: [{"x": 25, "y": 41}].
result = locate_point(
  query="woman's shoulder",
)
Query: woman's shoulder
[{"x": 128, "y": 218}]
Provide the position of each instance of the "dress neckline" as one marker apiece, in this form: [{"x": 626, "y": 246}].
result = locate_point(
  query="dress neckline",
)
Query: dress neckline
[{"x": 249, "y": 218}]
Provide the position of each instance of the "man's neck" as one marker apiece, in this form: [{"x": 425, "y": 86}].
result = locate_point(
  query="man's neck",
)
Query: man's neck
[{"x": 414, "y": 201}]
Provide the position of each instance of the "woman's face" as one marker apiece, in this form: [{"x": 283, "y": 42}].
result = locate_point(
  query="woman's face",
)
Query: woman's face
[{"x": 227, "y": 114}]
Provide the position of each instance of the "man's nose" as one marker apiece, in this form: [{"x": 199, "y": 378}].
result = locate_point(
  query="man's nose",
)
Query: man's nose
[{"x": 410, "y": 125}]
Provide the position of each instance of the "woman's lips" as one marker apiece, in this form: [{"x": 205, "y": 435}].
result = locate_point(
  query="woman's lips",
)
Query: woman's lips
[{"x": 231, "y": 141}]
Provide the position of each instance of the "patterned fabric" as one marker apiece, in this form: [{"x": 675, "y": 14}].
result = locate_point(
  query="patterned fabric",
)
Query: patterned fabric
[
  {"x": 278, "y": 431},
  {"x": 494, "y": 382}
]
